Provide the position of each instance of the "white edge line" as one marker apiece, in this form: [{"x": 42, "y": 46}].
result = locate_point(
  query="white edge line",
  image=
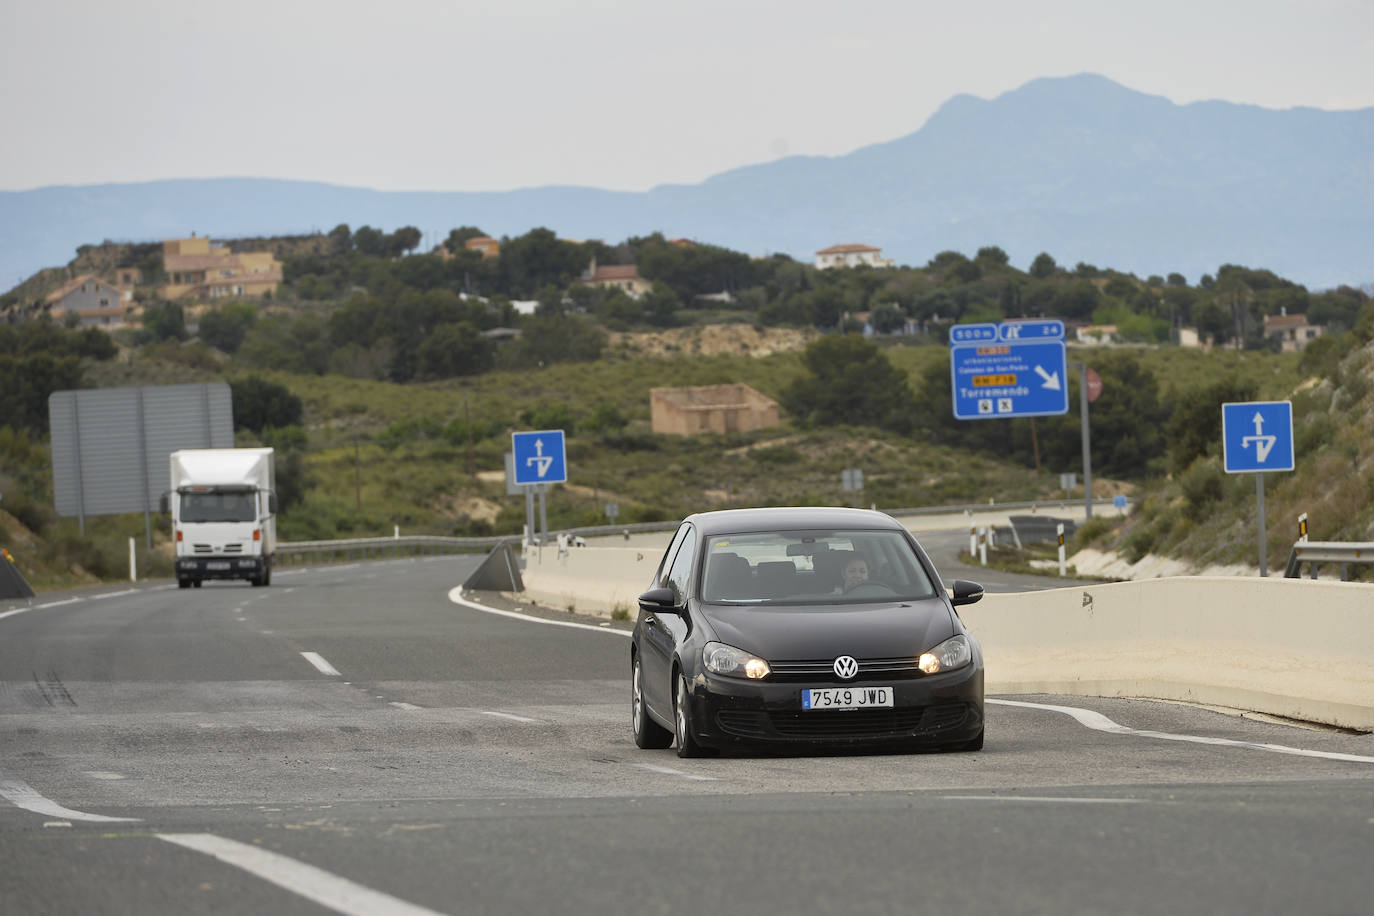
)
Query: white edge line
[
  {"x": 1098, "y": 722},
  {"x": 320, "y": 664},
  {"x": 22, "y": 795},
  {"x": 506, "y": 715},
  {"x": 1068, "y": 800},
  {"x": 456, "y": 596},
  {"x": 668, "y": 771},
  {"x": 21, "y": 610},
  {"x": 39, "y": 607},
  {"x": 324, "y": 888},
  {"x": 127, "y": 591},
  {"x": 405, "y": 706}
]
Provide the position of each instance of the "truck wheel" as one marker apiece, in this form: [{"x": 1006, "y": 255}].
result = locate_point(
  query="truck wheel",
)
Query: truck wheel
[
  {"x": 196, "y": 583},
  {"x": 183, "y": 583},
  {"x": 267, "y": 576}
]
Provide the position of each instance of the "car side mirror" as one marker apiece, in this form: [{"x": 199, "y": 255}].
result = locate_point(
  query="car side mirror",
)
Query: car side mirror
[
  {"x": 271, "y": 503},
  {"x": 659, "y": 601},
  {"x": 164, "y": 503},
  {"x": 966, "y": 592}
]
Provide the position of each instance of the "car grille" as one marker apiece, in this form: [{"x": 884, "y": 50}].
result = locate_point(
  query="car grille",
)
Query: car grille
[
  {"x": 227, "y": 548},
  {"x": 812, "y": 671},
  {"x": 859, "y": 724}
]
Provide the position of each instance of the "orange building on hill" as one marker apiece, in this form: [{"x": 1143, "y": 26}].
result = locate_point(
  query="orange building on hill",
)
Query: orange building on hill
[
  {"x": 196, "y": 269},
  {"x": 711, "y": 409}
]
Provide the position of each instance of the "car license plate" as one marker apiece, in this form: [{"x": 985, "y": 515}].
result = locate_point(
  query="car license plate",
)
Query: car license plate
[
  {"x": 846, "y": 697},
  {"x": 217, "y": 564}
]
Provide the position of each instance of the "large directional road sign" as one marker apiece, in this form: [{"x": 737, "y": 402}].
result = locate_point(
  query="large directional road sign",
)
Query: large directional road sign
[
  {"x": 1257, "y": 436},
  {"x": 539, "y": 457},
  {"x": 1012, "y": 369}
]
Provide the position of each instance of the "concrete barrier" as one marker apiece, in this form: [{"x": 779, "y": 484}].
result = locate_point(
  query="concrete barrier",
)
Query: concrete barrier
[
  {"x": 1286, "y": 647},
  {"x": 1299, "y": 649},
  {"x": 590, "y": 580}
]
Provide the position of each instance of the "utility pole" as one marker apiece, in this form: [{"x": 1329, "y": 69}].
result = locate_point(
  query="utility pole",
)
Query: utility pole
[
  {"x": 1087, "y": 447},
  {"x": 467, "y": 422}
]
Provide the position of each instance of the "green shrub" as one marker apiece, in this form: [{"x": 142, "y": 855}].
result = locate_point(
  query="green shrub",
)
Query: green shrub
[
  {"x": 259, "y": 404},
  {"x": 1139, "y": 543},
  {"x": 549, "y": 415},
  {"x": 1317, "y": 431},
  {"x": 1090, "y": 531},
  {"x": 1202, "y": 484},
  {"x": 776, "y": 454}
]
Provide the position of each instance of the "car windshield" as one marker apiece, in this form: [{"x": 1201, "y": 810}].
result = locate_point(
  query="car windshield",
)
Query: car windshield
[
  {"x": 219, "y": 506},
  {"x": 813, "y": 567}
]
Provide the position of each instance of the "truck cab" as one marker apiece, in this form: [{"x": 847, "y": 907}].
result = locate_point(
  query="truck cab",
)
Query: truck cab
[{"x": 223, "y": 510}]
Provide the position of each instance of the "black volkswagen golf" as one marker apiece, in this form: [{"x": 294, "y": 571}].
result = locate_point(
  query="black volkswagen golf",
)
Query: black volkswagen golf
[{"x": 802, "y": 626}]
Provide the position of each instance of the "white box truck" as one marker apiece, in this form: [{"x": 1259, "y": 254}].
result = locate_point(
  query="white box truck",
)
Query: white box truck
[{"x": 224, "y": 505}]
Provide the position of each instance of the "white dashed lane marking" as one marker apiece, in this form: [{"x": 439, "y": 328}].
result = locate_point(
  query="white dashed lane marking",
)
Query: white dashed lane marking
[
  {"x": 668, "y": 771},
  {"x": 506, "y": 715},
  {"x": 325, "y": 888},
  {"x": 320, "y": 664}
]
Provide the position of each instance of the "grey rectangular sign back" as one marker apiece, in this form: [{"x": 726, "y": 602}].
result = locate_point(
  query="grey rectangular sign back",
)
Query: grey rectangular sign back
[{"x": 110, "y": 446}]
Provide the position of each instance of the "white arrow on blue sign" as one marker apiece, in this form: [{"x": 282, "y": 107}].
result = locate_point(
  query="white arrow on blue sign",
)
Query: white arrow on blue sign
[
  {"x": 1257, "y": 436},
  {"x": 1011, "y": 369},
  {"x": 539, "y": 457}
]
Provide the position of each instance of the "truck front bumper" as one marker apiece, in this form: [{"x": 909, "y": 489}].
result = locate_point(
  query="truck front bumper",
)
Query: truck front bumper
[{"x": 220, "y": 567}]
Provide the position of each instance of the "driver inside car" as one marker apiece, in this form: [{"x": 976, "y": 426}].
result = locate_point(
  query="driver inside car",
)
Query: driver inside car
[{"x": 855, "y": 573}]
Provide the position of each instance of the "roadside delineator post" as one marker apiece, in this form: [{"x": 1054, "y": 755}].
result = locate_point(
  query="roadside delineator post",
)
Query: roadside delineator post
[
  {"x": 983, "y": 546},
  {"x": 1302, "y": 527},
  {"x": 1063, "y": 569}
]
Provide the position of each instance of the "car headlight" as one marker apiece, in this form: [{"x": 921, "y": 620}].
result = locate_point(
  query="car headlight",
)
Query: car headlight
[
  {"x": 954, "y": 652},
  {"x": 722, "y": 659}
]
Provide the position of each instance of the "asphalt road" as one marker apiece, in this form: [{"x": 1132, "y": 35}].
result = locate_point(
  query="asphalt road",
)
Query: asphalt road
[
  {"x": 943, "y": 548},
  {"x": 461, "y": 762}
]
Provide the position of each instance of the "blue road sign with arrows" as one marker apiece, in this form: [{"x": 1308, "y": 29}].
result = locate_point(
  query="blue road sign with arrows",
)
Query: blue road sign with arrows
[
  {"x": 539, "y": 457},
  {"x": 1011, "y": 369},
  {"x": 1257, "y": 436}
]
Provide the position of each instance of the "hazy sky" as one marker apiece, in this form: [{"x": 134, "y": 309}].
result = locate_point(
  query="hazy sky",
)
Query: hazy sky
[{"x": 458, "y": 95}]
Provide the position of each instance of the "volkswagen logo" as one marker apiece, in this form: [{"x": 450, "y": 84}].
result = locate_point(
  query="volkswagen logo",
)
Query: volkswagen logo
[{"x": 846, "y": 667}]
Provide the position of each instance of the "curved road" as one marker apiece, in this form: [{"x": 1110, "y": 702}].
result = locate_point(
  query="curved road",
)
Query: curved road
[{"x": 351, "y": 740}]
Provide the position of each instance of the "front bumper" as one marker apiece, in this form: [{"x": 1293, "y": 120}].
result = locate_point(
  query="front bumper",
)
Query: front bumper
[
  {"x": 220, "y": 567},
  {"x": 938, "y": 710}
]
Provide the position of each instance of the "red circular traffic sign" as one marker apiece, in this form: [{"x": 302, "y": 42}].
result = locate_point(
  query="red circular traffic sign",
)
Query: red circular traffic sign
[{"x": 1094, "y": 385}]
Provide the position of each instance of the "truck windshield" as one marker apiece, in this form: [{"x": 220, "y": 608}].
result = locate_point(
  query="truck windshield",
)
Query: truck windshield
[{"x": 239, "y": 506}]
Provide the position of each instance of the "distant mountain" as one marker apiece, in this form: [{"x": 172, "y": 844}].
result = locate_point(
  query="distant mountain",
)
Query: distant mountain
[{"x": 1079, "y": 166}]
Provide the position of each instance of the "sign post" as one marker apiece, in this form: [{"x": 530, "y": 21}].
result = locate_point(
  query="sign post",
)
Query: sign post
[
  {"x": 1016, "y": 369},
  {"x": 852, "y": 481},
  {"x": 1257, "y": 438},
  {"x": 538, "y": 458},
  {"x": 1012, "y": 369}
]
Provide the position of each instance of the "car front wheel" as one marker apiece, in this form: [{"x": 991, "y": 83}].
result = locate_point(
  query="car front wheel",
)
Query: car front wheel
[
  {"x": 682, "y": 702},
  {"x": 648, "y": 733}
]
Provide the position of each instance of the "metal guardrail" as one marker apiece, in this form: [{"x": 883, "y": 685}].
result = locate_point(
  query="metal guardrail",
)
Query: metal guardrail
[
  {"x": 366, "y": 548},
  {"x": 1315, "y": 553},
  {"x": 296, "y": 552},
  {"x": 1037, "y": 504}
]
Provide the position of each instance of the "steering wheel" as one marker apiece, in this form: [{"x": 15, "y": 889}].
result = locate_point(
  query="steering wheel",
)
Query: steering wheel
[{"x": 870, "y": 589}]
